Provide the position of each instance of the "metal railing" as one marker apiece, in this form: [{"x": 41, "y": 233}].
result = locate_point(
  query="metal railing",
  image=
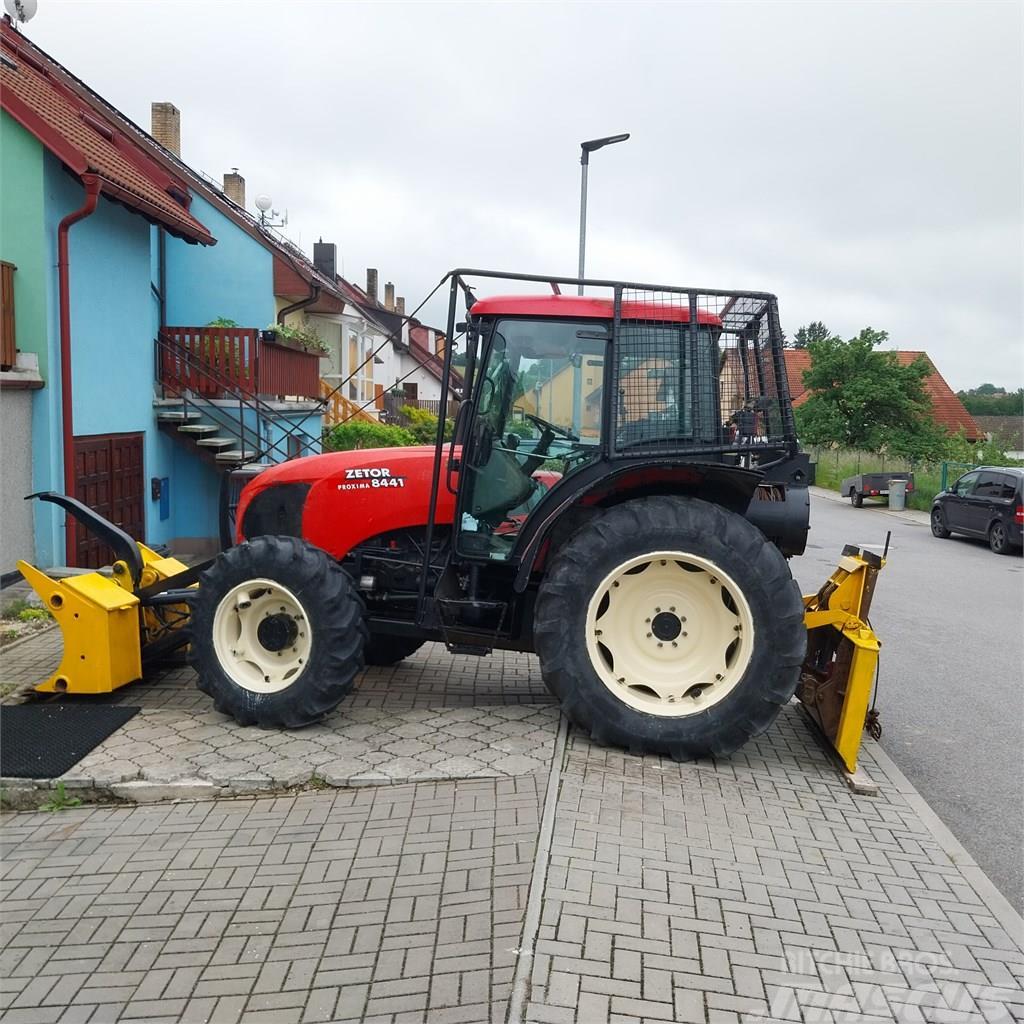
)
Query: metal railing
[
  {"x": 241, "y": 360},
  {"x": 193, "y": 380}
]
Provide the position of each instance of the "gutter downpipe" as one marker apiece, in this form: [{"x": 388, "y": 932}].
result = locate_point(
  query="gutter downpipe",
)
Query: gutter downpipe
[
  {"x": 92, "y": 195},
  {"x": 314, "y": 294}
]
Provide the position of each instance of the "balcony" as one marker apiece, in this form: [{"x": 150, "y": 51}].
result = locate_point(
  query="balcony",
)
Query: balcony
[{"x": 224, "y": 362}]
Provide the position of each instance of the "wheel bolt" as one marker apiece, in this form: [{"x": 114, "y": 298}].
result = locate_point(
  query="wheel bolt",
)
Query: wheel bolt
[
  {"x": 737, "y": 629},
  {"x": 615, "y": 583},
  {"x": 660, "y": 644},
  {"x": 648, "y": 635},
  {"x": 647, "y": 620},
  {"x": 597, "y": 632},
  {"x": 685, "y": 633},
  {"x": 674, "y": 644},
  {"x": 657, "y": 609},
  {"x": 266, "y": 679},
  {"x": 672, "y": 608},
  {"x": 663, "y": 562},
  {"x": 718, "y": 675}
]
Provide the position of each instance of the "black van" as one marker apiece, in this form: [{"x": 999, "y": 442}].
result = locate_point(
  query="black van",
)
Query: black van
[{"x": 986, "y": 502}]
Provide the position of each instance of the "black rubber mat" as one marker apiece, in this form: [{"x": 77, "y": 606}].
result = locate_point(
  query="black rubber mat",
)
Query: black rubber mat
[{"x": 42, "y": 741}]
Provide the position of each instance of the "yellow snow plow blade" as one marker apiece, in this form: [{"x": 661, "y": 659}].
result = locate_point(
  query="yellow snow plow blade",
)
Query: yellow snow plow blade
[
  {"x": 106, "y": 627},
  {"x": 100, "y": 624},
  {"x": 842, "y": 653}
]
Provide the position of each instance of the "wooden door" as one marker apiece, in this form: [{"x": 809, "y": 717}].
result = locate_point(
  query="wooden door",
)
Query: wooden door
[{"x": 109, "y": 478}]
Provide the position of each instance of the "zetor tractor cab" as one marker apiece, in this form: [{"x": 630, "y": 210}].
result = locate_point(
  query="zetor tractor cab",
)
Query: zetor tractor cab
[{"x": 621, "y": 494}]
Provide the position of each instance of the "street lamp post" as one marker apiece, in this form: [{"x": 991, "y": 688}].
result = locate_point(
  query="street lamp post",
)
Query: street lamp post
[{"x": 588, "y": 148}]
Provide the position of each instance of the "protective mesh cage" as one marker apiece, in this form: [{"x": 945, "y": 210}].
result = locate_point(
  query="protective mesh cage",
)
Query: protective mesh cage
[{"x": 695, "y": 371}]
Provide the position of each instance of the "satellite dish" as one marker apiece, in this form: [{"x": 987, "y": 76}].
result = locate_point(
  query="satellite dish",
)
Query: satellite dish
[
  {"x": 263, "y": 201},
  {"x": 21, "y": 10}
]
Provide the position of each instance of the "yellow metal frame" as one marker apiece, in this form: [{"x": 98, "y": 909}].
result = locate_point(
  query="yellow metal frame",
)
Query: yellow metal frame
[
  {"x": 840, "y": 605},
  {"x": 99, "y": 617}
]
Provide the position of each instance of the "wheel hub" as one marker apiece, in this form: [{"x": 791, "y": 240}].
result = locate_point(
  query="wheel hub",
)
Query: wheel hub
[
  {"x": 276, "y": 632},
  {"x": 666, "y": 626}
]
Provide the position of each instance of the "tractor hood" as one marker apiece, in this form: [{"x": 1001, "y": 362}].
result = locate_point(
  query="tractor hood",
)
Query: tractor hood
[{"x": 340, "y": 499}]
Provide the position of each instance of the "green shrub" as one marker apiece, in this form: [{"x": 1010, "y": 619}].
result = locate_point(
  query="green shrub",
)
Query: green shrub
[
  {"x": 33, "y": 614},
  {"x": 356, "y": 434},
  {"x": 423, "y": 425}
]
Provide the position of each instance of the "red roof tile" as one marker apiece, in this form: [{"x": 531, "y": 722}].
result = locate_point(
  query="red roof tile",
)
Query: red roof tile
[
  {"x": 31, "y": 92},
  {"x": 947, "y": 410}
]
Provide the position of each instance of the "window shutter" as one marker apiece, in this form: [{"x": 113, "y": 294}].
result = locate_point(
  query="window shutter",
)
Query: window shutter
[{"x": 8, "y": 348}]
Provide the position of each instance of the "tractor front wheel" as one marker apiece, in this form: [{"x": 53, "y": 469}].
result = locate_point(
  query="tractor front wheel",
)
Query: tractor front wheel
[
  {"x": 277, "y": 633},
  {"x": 670, "y": 626}
]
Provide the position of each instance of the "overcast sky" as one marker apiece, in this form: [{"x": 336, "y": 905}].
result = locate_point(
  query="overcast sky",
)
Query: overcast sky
[{"x": 861, "y": 160}]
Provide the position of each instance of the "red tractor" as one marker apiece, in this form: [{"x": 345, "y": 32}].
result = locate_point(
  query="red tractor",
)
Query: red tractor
[{"x": 601, "y": 504}]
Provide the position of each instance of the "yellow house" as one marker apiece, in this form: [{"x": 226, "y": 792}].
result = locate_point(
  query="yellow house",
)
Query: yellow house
[{"x": 553, "y": 399}]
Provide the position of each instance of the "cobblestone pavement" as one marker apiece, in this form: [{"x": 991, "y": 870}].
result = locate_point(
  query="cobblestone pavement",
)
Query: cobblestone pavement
[
  {"x": 379, "y": 904},
  {"x": 755, "y": 889},
  {"x": 598, "y": 887},
  {"x": 431, "y": 717}
]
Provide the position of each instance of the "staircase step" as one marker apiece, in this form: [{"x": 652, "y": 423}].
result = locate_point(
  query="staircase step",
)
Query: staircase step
[
  {"x": 198, "y": 428},
  {"x": 166, "y": 402},
  {"x": 236, "y": 456},
  {"x": 215, "y": 442},
  {"x": 178, "y": 417}
]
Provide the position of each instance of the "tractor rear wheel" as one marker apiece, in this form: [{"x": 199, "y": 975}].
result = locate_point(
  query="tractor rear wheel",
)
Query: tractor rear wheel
[
  {"x": 277, "y": 633},
  {"x": 384, "y": 650},
  {"x": 670, "y": 626}
]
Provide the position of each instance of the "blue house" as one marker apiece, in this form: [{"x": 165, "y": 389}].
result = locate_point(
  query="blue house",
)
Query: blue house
[{"x": 142, "y": 292}]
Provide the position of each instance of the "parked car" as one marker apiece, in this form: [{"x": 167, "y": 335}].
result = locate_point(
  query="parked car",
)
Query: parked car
[
  {"x": 986, "y": 502},
  {"x": 872, "y": 485}
]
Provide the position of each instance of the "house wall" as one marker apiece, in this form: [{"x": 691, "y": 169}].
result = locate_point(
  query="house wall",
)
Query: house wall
[
  {"x": 22, "y": 240},
  {"x": 16, "y": 533},
  {"x": 112, "y": 349},
  {"x": 233, "y": 279}
]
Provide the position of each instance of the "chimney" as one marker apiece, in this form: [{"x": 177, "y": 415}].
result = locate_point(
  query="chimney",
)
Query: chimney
[
  {"x": 389, "y": 296},
  {"x": 234, "y": 187},
  {"x": 165, "y": 126},
  {"x": 371, "y": 284},
  {"x": 400, "y": 305},
  {"x": 439, "y": 344},
  {"x": 325, "y": 258}
]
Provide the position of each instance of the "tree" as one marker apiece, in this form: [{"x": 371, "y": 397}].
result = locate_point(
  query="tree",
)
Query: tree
[
  {"x": 864, "y": 399},
  {"x": 814, "y": 331},
  {"x": 993, "y": 403}
]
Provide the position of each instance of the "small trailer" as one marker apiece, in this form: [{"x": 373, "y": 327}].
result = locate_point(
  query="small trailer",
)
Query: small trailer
[{"x": 872, "y": 485}]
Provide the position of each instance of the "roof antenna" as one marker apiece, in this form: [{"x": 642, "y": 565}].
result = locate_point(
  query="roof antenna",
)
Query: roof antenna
[{"x": 21, "y": 10}]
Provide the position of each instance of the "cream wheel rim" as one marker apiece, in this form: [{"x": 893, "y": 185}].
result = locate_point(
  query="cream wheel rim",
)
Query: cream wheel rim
[
  {"x": 669, "y": 633},
  {"x": 261, "y": 636}
]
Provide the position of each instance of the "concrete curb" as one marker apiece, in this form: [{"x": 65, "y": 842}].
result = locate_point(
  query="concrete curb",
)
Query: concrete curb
[{"x": 1000, "y": 907}]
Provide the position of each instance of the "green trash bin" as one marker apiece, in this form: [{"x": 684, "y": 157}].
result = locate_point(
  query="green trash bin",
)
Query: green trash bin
[{"x": 898, "y": 494}]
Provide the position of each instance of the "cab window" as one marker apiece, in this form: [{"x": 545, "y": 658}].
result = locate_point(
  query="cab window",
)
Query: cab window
[{"x": 538, "y": 408}]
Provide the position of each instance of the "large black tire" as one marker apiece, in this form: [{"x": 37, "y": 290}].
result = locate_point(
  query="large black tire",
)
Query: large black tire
[
  {"x": 730, "y": 545},
  {"x": 382, "y": 649},
  {"x": 856, "y": 499},
  {"x": 325, "y": 599}
]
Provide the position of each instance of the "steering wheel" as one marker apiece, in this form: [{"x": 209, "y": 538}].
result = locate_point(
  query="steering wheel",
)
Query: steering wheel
[{"x": 544, "y": 426}]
